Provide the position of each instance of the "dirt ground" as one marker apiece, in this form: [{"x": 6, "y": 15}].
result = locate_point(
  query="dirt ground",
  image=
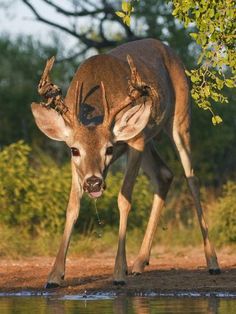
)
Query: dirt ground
[{"x": 177, "y": 270}]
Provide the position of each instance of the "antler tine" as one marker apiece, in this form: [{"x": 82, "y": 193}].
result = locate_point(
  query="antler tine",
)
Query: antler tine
[
  {"x": 104, "y": 104},
  {"x": 114, "y": 111},
  {"x": 53, "y": 96},
  {"x": 51, "y": 92},
  {"x": 73, "y": 106},
  {"x": 45, "y": 80},
  {"x": 135, "y": 77},
  {"x": 135, "y": 83},
  {"x": 135, "y": 91},
  {"x": 76, "y": 104}
]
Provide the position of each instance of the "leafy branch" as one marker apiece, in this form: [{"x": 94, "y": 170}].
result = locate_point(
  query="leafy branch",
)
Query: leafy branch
[
  {"x": 127, "y": 7},
  {"x": 215, "y": 34}
]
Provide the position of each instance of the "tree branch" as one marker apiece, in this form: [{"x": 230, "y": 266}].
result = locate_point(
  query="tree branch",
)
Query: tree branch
[
  {"x": 110, "y": 10},
  {"x": 71, "y": 57},
  {"x": 71, "y": 13},
  {"x": 105, "y": 43}
]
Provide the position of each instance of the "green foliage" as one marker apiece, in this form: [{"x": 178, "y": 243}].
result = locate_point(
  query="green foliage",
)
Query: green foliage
[
  {"x": 22, "y": 62},
  {"x": 224, "y": 215},
  {"x": 32, "y": 195},
  {"x": 215, "y": 33},
  {"x": 154, "y": 18},
  {"x": 213, "y": 148},
  {"x": 127, "y": 8},
  {"x": 141, "y": 202},
  {"x": 33, "y": 199}
]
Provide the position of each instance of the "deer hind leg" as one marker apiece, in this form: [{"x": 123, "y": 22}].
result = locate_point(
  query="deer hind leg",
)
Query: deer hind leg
[
  {"x": 161, "y": 178},
  {"x": 181, "y": 138},
  {"x": 124, "y": 204},
  {"x": 58, "y": 270}
]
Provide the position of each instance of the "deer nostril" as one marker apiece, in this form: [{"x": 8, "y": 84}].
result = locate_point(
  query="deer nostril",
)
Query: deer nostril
[{"x": 93, "y": 184}]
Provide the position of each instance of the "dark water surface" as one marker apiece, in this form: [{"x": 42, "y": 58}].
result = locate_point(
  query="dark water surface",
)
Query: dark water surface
[{"x": 108, "y": 303}]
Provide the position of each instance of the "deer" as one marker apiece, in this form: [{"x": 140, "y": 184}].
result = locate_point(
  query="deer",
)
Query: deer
[{"x": 117, "y": 103}]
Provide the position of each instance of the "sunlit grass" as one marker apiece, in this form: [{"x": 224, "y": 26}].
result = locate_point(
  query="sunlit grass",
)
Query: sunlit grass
[
  {"x": 15, "y": 243},
  {"x": 177, "y": 228}
]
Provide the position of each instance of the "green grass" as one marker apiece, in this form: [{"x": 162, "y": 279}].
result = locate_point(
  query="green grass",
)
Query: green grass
[
  {"x": 16, "y": 243},
  {"x": 177, "y": 228}
]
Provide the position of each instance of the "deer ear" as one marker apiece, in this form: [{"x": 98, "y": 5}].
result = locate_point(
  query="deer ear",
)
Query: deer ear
[
  {"x": 50, "y": 122},
  {"x": 132, "y": 122}
]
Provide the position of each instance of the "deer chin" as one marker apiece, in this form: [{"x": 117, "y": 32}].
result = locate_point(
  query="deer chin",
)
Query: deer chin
[{"x": 95, "y": 194}]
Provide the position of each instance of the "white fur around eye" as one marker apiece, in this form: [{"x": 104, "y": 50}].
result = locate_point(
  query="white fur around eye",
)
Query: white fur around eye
[
  {"x": 77, "y": 152},
  {"x": 108, "y": 159},
  {"x": 107, "y": 153}
]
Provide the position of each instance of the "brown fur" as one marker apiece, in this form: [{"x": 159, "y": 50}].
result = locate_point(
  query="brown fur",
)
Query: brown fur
[{"x": 158, "y": 69}]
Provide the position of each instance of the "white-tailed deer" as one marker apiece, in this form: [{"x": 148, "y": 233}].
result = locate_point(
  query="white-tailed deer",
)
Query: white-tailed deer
[{"x": 138, "y": 89}]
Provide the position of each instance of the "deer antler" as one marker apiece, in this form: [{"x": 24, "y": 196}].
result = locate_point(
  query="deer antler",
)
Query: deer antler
[
  {"x": 136, "y": 84},
  {"x": 72, "y": 115},
  {"x": 49, "y": 91},
  {"x": 136, "y": 89},
  {"x": 53, "y": 95}
]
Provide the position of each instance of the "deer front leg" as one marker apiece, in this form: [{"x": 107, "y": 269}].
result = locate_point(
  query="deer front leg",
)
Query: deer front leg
[
  {"x": 161, "y": 178},
  {"x": 124, "y": 203},
  {"x": 58, "y": 270}
]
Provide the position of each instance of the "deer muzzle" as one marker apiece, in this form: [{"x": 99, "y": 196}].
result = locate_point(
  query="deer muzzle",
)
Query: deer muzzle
[{"x": 94, "y": 186}]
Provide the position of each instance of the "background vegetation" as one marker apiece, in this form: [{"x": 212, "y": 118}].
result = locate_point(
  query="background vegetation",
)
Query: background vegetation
[{"x": 35, "y": 171}]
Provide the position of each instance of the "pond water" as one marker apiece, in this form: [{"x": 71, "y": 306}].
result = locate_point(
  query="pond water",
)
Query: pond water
[{"x": 108, "y": 303}]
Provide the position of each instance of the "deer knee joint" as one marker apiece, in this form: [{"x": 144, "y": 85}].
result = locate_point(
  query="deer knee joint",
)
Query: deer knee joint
[
  {"x": 123, "y": 203},
  {"x": 166, "y": 175},
  {"x": 164, "y": 179}
]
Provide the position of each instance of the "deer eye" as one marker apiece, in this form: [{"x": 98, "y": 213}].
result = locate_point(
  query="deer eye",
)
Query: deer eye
[
  {"x": 109, "y": 150},
  {"x": 75, "y": 151}
]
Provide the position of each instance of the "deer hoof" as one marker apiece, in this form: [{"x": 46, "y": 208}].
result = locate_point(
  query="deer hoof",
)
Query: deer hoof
[
  {"x": 119, "y": 282},
  {"x": 136, "y": 273},
  {"x": 51, "y": 285},
  {"x": 215, "y": 271},
  {"x": 139, "y": 266}
]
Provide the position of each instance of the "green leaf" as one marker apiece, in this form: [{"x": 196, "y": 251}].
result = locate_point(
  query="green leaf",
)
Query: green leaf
[
  {"x": 194, "y": 35},
  {"x": 195, "y": 95},
  {"x": 211, "y": 28},
  {"x": 194, "y": 78},
  {"x": 126, "y": 6},
  {"x": 197, "y": 13},
  {"x": 126, "y": 20},
  {"x": 229, "y": 83},
  {"x": 187, "y": 72},
  {"x": 202, "y": 55},
  {"x": 120, "y": 14},
  {"x": 211, "y": 12},
  {"x": 216, "y": 120},
  {"x": 175, "y": 11},
  {"x": 220, "y": 83}
]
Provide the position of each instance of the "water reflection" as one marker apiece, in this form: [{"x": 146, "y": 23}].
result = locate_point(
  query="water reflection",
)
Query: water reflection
[{"x": 122, "y": 304}]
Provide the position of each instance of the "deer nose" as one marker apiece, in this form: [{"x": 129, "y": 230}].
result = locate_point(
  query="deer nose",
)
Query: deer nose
[{"x": 93, "y": 184}]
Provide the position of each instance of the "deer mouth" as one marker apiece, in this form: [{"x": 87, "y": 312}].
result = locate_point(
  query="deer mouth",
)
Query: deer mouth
[
  {"x": 95, "y": 194},
  {"x": 94, "y": 186}
]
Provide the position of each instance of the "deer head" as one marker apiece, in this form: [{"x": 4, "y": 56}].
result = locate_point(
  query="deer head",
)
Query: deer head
[{"x": 92, "y": 145}]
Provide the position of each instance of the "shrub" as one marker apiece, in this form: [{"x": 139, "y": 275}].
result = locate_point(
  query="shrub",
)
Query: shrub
[
  {"x": 34, "y": 192},
  {"x": 141, "y": 201},
  {"x": 224, "y": 215},
  {"x": 32, "y": 195}
]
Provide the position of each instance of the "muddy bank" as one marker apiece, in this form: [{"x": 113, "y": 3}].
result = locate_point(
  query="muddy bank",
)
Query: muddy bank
[{"x": 178, "y": 272}]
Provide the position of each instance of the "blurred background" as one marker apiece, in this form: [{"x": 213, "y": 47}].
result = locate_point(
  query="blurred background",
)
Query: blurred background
[{"x": 35, "y": 171}]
